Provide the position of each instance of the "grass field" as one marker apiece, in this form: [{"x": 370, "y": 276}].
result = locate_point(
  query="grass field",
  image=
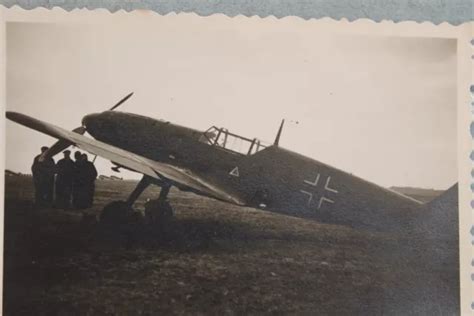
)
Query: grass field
[{"x": 216, "y": 258}]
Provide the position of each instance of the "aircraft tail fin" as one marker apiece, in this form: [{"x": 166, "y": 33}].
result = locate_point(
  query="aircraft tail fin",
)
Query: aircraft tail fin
[{"x": 277, "y": 138}]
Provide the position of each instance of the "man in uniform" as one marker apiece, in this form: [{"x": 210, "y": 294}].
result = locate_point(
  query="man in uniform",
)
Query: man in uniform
[
  {"x": 78, "y": 182},
  {"x": 90, "y": 174},
  {"x": 64, "y": 180},
  {"x": 43, "y": 170}
]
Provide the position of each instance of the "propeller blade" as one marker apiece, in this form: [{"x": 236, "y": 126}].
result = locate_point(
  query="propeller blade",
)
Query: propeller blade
[
  {"x": 61, "y": 144},
  {"x": 121, "y": 101},
  {"x": 79, "y": 130}
]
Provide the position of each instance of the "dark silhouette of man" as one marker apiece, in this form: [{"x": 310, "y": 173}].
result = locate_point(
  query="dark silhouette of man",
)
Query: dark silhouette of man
[
  {"x": 78, "y": 181},
  {"x": 64, "y": 180},
  {"x": 90, "y": 174},
  {"x": 85, "y": 174},
  {"x": 43, "y": 170}
]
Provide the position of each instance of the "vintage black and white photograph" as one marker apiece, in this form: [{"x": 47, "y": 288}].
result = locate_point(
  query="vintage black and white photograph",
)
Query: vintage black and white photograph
[{"x": 191, "y": 165}]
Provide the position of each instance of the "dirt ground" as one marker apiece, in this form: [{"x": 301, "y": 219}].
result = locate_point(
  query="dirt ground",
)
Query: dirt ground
[{"x": 215, "y": 258}]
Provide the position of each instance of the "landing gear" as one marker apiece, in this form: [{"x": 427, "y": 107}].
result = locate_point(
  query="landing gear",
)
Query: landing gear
[
  {"x": 156, "y": 211},
  {"x": 116, "y": 213},
  {"x": 121, "y": 212},
  {"x": 159, "y": 211}
]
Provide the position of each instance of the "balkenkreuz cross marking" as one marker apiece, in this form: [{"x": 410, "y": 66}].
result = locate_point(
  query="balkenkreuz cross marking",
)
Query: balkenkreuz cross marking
[
  {"x": 326, "y": 186},
  {"x": 323, "y": 199},
  {"x": 309, "y": 194},
  {"x": 314, "y": 183}
]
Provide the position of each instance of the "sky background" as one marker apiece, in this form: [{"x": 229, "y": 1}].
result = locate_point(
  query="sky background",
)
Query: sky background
[{"x": 382, "y": 108}]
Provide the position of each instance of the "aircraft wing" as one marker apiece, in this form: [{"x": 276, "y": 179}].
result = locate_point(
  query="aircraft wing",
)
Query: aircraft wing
[{"x": 182, "y": 178}]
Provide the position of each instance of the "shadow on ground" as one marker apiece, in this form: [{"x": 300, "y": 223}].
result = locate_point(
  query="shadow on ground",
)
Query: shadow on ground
[{"x": 215, "y": 259}]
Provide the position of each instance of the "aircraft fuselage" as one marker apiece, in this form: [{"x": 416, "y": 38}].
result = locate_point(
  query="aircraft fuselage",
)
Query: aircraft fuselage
[{"x": 282, "y": 180}]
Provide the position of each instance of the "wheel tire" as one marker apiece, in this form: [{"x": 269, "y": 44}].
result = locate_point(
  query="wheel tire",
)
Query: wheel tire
[
  {"x": 115, "y": 213},
  {"x": 158, "y": 211}
]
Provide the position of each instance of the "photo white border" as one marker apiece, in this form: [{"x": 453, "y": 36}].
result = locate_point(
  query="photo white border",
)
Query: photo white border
[{"x": 462, "y": 33}]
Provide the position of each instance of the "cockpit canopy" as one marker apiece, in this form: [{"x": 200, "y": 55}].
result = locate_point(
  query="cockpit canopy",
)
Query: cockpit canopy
[{"x": 224, "y": 139}]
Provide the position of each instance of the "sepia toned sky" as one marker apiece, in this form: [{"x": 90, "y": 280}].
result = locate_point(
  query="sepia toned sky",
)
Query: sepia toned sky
[{"x": 382, "y": 108}]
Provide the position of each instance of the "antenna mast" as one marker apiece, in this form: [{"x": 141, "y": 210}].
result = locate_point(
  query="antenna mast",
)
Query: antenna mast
[{"x": 277, "y": 139}]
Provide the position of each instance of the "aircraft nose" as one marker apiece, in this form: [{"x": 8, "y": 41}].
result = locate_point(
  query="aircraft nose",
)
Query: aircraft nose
[{"x": 91, "y": 121}]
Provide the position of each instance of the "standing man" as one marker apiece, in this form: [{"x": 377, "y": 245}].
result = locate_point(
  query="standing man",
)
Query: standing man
[
  {"x": 78, "y": 181},
  {"x": 90, "y": 174},
  {"x": 64, "y": 180},
  {"x": 43, "y": 170}
]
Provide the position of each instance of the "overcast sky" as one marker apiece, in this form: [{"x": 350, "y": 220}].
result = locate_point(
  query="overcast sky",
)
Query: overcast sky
[{"x": 382, "y": 108}]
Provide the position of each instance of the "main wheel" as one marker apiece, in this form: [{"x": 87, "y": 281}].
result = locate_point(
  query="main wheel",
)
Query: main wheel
[
  {"x": 119, "y": 224},
  {"x": 116, "y": 213},
  {"x": 158, "y": 212}
]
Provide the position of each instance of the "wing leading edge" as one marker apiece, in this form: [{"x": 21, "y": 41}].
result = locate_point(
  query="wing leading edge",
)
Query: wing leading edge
[{"x": 181, "y": 178}]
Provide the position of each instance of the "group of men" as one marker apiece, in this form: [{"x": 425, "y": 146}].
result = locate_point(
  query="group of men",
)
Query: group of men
[{"x": 73, "y": 181}]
